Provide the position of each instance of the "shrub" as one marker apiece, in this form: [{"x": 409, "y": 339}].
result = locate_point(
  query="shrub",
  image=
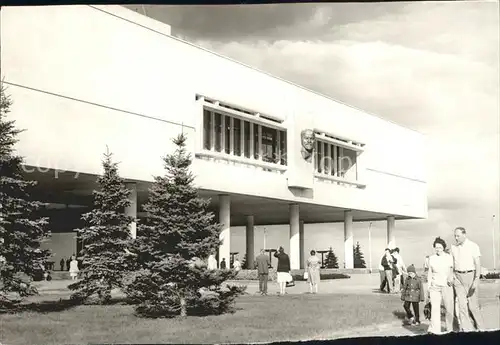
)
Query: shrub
[
  {"x": 492, "y": 275},
  {"x": 323, "y": 276}
]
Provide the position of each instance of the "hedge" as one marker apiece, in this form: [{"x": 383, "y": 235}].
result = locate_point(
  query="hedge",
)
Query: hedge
[
  {"x": 492, "y": 275},
  {"x": 298, "y": 275}
]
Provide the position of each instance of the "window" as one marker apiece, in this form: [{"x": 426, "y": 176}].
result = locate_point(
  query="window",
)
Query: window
[
  {"x": 282, "y": 148},
  {"x": 270, "y": 145},
  {"x": 239, "y": 137},
  {"x": 218, "y": 132},
  {"x": 335, "y": 161},
  {"x": 207, "y": 125},
  {"x": 256, "y": 143},
  {"x": 246, "y": 142},
  {"x": 227, "y": 134}
]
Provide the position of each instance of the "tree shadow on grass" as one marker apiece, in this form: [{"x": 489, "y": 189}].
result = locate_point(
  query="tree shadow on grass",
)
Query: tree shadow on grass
[
  {"x": 40, "y": 307},
  {"x": 399, "y": 314},
  {"x": 416, "y": 329},
  {"x": 59, "y": 305}
]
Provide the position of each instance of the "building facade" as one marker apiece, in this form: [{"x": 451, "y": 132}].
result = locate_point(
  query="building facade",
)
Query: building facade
[{"x": 265, "y": 151}]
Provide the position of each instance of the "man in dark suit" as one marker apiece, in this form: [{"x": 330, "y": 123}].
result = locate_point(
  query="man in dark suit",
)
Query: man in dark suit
[{"x": 262, "y": 263}]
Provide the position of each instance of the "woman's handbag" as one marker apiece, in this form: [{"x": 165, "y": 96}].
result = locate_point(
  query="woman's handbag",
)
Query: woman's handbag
[{"x": 306, "y": 275}]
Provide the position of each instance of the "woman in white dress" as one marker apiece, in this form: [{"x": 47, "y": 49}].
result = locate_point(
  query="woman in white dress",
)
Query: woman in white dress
[
  {"x": 313, "y": 274},
  {"x": 283, "y": 269},
  {"x": 212, "y": 262},
  {"x": 237, "y": 264},
  {"x": 440, "y": 287},
  {"x": 73, "y": 268}
]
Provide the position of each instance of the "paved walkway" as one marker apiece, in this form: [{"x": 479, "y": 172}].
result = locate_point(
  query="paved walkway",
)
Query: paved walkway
[
  {"x": 360, "y": 284},
  {"x": 491, "y": 314}
]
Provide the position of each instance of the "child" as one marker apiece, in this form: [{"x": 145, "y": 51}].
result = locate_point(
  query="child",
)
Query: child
[{"x": 412, "y": 294}]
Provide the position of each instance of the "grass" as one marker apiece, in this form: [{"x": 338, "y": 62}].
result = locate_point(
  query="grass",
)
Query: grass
[
  {"x": 47, "y": 320},
  {"x": 257, "y": 319}
]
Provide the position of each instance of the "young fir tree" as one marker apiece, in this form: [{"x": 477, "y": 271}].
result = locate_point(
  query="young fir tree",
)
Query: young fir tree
[
  {"x": 21, "y": 229},
  {"x": 331, "y": 260},
  {"x": 106, "y": 239},
  {"x": 359, "y": 261},
  {"x": 172, "y": 244}
]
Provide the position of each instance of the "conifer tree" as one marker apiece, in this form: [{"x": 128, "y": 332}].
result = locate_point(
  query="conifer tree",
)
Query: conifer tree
[
  {"x": 331, "y": 260},
  {"x": 173, "y": 245},
  {"x": 359, "y": 261},
  {"x": 106, "y": 239},
  {"x": 21, "y": 228}
]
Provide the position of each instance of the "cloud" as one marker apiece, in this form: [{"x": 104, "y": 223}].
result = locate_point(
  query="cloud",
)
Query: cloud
[
  {"x": 415, "y": 88},
  {"x": 228, "y": 22},
  {"x": 253, "y": 22}
]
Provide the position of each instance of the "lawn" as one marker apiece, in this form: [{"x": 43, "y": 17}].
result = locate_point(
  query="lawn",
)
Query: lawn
[{"x": 258, "y": 319}]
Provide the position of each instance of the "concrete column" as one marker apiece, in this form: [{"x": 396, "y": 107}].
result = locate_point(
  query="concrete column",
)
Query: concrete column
[
  {"x": 391, "y": 238},
  {"x": 250, "y": 242},
  {"x": 301, "y": 244},
  {"x": 225, "y": 234},
  {"x": 294, "y": 237},
  {"x": 348, "y": 240},
  {"x": 131, "y": 210}
]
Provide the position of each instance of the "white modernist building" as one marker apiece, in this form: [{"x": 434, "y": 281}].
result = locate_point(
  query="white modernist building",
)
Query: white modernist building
[{"x": 266, "y": 151}]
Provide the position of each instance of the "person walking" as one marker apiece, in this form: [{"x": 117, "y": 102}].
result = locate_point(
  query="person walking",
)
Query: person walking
[
  {"x": 440, "y": 282},
  {"x": 236, "y": 264},
  {"x": 283, "y": 269},
  {"x": 223, "y": 264},
  {"x": 61, "y": 263},
  {"x": 73, "y": 268},
  {"x": 467, "y": 268},
  {"x": 211, "y": 262},
  {"x": 400, "y": 270},
  {"x": 426, "y": 263},
  {"x": 381, "y": 271},
  {"x": 262, "y": 262},
  {"x": 412, "y": 294},
  {"x": 68, "y": 261},
  {"x": 313, "y": 273},
  {"x": 388, "y": 262}
]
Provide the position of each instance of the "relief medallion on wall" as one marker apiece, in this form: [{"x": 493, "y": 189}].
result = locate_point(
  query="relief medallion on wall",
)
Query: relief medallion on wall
[{"x": 308, "y": 138}]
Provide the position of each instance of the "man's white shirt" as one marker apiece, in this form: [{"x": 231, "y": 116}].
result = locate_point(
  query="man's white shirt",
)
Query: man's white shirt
[{"x": 464, "y": 254}]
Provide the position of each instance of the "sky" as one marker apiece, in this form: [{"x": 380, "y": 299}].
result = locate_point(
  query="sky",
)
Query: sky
[{"x": 432, "y": 67}]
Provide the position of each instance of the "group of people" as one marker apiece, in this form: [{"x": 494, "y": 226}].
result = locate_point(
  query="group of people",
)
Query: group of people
[
  {"x": 212, "y": 263},
  {"x": 452, "y": 280},
  {"x": 284, "y": 277},
  {"x": 392, "y": 271}
]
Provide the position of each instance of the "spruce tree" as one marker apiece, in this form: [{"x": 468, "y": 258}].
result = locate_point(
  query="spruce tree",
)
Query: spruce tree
[
  {"x": 106, "y": 239},
  {"x": 21, "y": 228},
  {"x": 331, "y": 260},
  {"x": 359, "y": 261},
  {"x": 173, "y": 244}
]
